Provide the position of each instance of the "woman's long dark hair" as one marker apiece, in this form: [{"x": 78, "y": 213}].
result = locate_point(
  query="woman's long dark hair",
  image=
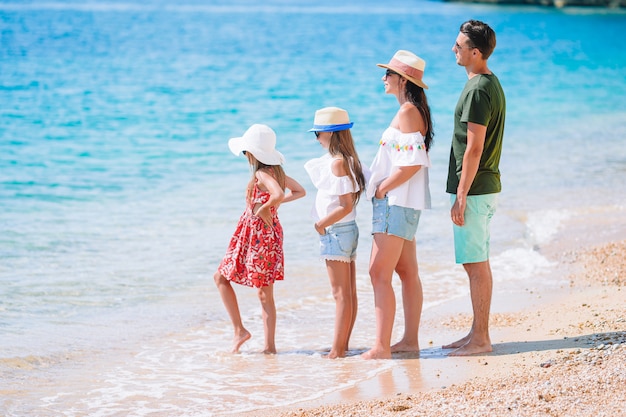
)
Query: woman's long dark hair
[{"x": 417, "y": 96}]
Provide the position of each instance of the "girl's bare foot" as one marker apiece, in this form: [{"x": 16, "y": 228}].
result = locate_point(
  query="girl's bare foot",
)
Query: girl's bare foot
[{"x": 240, "y": 339}]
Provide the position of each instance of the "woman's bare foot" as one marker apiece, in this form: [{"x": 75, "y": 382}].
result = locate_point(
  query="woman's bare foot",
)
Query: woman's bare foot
[
  {"x": 375, "y": 353},
  {"x": 403, "y": 346},
  {"x": 269, "y": 351},
  {"x": 240, "y": 339},
  {"x": 334, "y": 355}
]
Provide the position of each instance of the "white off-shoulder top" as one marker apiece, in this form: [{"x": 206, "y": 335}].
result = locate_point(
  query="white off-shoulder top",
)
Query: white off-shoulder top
[
  {"x": 399, "y": 149},
  {"x": 329, "y": 187}
]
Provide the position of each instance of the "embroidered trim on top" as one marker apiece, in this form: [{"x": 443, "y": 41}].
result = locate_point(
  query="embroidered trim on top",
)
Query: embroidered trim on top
[{"x": 395, "y": 145}]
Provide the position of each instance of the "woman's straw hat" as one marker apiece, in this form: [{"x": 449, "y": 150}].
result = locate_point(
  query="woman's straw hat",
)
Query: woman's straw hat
[
  {"x": 260, "y": 141},
  {"x": 408, "y": 65},
  {"x": 331, "y": 119}
]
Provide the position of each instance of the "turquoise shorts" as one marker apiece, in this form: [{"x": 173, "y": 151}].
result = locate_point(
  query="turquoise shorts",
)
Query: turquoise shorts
[
  {"x": 340, "y": 241},
  {"x": 394, "y": 220},
  {"x": 471, "y": 241}
]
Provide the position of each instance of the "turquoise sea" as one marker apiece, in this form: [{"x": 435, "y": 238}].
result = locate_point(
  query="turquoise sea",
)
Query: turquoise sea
[{"x": 118, "y": 193}]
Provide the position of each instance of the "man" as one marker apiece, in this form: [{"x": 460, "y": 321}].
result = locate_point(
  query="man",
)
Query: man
[{"x": 474, "y": 175}]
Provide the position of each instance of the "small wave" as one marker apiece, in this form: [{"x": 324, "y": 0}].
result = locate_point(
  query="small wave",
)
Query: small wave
[
  {"x": 543, "y": 225},
  {"x": 24, "y": 363},
  {"x": 519, "y": 264}
]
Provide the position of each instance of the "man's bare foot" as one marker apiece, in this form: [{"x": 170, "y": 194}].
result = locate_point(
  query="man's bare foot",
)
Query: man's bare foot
[
  {"x": 403, "y": 346},
  {"x": 240, "y": 339},
  {"x": 471, "y": 349},
  {"x": 459, "y": 343},
  {"x": 375, "y": 353}
]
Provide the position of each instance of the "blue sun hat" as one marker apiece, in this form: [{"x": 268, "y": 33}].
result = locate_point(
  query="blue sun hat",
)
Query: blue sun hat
[{"x": 331, "y": 119}]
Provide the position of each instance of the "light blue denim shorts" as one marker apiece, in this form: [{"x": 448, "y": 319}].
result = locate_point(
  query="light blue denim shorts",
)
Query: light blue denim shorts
[
  {"x": 471, "y": 241},
  {"x": 340, "y": 242},
  {"x": 394, "y": 220}
]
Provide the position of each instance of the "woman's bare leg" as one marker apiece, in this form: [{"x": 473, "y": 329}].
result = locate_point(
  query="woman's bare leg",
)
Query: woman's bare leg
[
  {"x": 412, "y": 298},
  {"x": 386, "y": 250}
]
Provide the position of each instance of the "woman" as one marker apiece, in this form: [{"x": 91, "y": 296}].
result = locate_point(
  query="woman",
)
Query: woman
[{"x": 399, "y": 190}]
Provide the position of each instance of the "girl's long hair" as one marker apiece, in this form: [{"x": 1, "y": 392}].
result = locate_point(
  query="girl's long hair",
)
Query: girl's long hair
[
  {"x": 341, "y": 143},
  {"x": 276, "y": 171},
  {"x": 417, "y": 96}
]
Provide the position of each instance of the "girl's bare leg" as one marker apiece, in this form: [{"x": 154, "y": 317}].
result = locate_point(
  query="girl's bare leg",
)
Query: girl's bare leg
[
  {"x": 355, "y": 302},
  {"x": 229, "y": 298},
  {"x": 266, "y": 296},
  {"x": 340, "y": 281}
]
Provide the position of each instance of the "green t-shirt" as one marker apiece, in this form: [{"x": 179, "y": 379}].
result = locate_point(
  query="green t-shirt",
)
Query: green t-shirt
[{"x": 482, "y": 102}]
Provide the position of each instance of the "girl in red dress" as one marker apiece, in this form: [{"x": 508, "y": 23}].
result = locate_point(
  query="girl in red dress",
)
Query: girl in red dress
[{"x": 255, "y": 253}]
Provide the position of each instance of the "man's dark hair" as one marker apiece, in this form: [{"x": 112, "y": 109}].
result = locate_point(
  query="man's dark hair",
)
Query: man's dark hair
[{"x": 480, "y": 35}]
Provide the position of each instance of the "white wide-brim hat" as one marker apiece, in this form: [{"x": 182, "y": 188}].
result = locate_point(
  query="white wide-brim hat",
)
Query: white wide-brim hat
[
  {"x": 260, "y": 141},
  {"x": 331, "y": 119},
  {"x": 408, "y": 65}
]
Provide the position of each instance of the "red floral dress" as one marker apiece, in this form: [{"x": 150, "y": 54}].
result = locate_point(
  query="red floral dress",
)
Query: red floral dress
[{"x": 255, "y": 253}]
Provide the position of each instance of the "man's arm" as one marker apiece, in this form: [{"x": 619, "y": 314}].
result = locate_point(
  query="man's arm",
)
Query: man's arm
[{"x": 471, "y": 159}]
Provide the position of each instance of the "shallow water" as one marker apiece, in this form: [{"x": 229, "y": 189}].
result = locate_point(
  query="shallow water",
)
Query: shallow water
[{"x": 118, "y": 193}]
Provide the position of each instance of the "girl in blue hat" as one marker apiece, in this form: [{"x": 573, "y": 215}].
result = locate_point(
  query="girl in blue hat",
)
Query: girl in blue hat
[{"x": 339, "y": 179}]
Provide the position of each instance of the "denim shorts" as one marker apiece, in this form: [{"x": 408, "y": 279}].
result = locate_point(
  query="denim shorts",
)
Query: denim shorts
[
  {"x": 394, "y": 220},
  {"x": 340, "y": 242},
  {"x": 471, "y": 241}
]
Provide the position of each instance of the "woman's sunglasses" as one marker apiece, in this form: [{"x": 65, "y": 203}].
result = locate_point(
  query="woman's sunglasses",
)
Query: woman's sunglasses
[{"x": 390, "y": 72}]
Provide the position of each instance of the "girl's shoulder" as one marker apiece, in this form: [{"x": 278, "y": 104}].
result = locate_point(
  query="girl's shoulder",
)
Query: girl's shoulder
[
  {"x": 337, "y": 166},
  {"x": 267, "y": 170},
  {"x": 324, "y": 164},
  {"x": 264, "y": 175}
]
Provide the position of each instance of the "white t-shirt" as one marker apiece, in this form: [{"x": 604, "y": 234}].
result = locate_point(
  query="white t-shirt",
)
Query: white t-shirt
[
  {"x": 399, "y": 149},
  {"x": 329, "y": 187}
]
